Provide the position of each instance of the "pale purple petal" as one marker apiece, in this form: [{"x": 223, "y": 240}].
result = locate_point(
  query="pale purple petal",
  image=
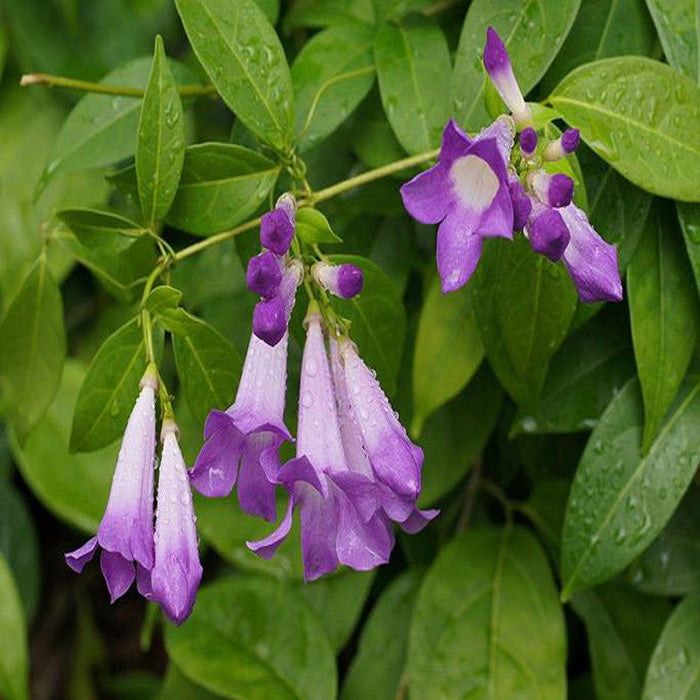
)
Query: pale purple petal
[
  {"x": 503, "y": 131},
  {"x": 428, "y": 196},
  {"x": 591, "y": 261},
  {"x": 177, "y": 571},
  {"x": 319, "y": 526},
  {"x": 267, "y": 546},
  {"x": 418, "y": 520},
  {"x": 143, "y": 582},
  {"x": 458, "y": 249},
  {"x": 118, "y": 572},
  {"x": 127, "y": 524},
  {"x": 256, "y": 493},
  {"x": 361, "y": 491},
  {"x": 547, "y": 231},
  {"x": 300, "y": 469},
  {"x": 81, "y": 556}
]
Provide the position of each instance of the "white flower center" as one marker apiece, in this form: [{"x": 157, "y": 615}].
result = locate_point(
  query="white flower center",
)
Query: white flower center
[{"x": 474, "y": 183}]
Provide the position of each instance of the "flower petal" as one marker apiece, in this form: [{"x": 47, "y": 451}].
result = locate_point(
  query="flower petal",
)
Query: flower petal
[
  {"x": 319, "y": 525},
  {"x": 267, "y": 546},
  {"x": 118, "y": 572},
  {"x": 428, "y": 197},
  {"x": 417, "y": 520},
  {"x": 256, "y": 494},
  {"x": 81, "y": 556},
  {"x": 458, "y": 249}
]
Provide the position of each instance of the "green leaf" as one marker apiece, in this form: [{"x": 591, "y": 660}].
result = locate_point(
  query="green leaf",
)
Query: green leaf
[
  {"x": 72, "y": 487},
  {"x": 322, "y": 13},
  {"x": 32, "y": 348},
  {"x": 222, "y": 185},
  {"x": 670, "y": 566},
  {"x": 603, "y": 28},
  {"x": 160, "y": 148},
  {"x": 448, "y": 351},
  {"x": 586, "y": 372},
  {"x": 620, "y": 640},
  {"x": 245, "y": 61},
  {"x": 532, "y": 31},
  {"x": 102, "y": 129},
  {"x": 674, "y": 670},
  {"x": 14, "y": 655},
  {"x": 378, "y": 320},
  {"x": 641, "y": 117},
  {"x": 689, "y": 217},
  {"x": 378, "y": 666},
  {"x": 620, "y": 500},
  {"x": 486, "y": 597},
  {"x": 176, "y": 685},
  {"x": 679, "y": 30},
  {"x": 253, "y": 638},
  {"x": 18, "y": 544},
  {"x": 331, "y": 75},
  {"x": 338, "y": 600},
  {"x": 664, "y": 316},
  {"x": 523, "y": 305},
  {"x": 102, "y": 230},
  {"x": 313, "y": 227},
  {"x": 413, "y": 68},
  {"x": 208, "y": 365},
  {"x": 372, "y": 138},
  {"x": 162, "y": 299},
  {"x": 109, "y": 390},
  {"x": 545, "y": 508}
]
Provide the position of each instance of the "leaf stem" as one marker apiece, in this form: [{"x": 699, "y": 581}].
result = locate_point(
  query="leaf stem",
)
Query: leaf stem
[{"x": 104, "y": 89}]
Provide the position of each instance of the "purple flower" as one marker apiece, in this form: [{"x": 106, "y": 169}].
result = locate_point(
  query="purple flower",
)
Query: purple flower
[
  {"x": 243, "y": 441},
  {"x": 264, "y": 274},
  {"x": 271, "y": 316},
  {"x": 547, "y": 231},
  {"x": 277, "y": 226},
  {"x": 566, "y": 144},
  {"x": 522, "y": 206},
  {"x": 528, "y": 142},
  {"x": 467, "y": 193},
  {"x": 334, "y": 530},
  {"x": 554, "y": 190},
  {"x": 344, "y": 281},
  {"x": 177, "y": 572},
  {"x": 126, "y": 531},
  {"x": 498, "y": 66},
  {"x": 592, "y": 263}
]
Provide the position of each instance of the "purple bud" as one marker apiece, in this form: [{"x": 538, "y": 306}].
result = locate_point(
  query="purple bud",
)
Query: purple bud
[
  {"x": 548, "y": 233},
  {"x": 570, "y": 140},
  {"x": 277, "y": 226},
  {"x": 555, "y": 190},
  {"x": 522, "y": 206},
  {"x": 264, "y": 274},
  {"x": 528, "y": 141},
  {"x": 270, "y": 320},
  {"x": 495, "y": 53},
  {"x": 344, "y": 281}
]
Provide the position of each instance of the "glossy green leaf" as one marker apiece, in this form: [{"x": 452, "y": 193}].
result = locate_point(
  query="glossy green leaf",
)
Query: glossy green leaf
[
  {"x": 620, "y": 639},
  {"x": 487, "y": 596},
  {"x": 448, "y": 351},
  {"x": 323, "y": 13},
  {"x": 591, "y": 366},
  {"x": 32, "y": 348},
  {"x": 603, "y": 28},
  {"x": 207, "y": 364},
  {"x": 73, "y": 487},
  {"x": 674, "y": 670},
  {"x": 109, "y": 390},
  {"x": 372, "y": 138},
  {"x": 621, "y": 500},
  {"x": 163, "y": 299},
  {"x": 245, "y": 61},
  {"x": 378, "y": 320},
  {"x": 664, "y": 314},
  {"x": 670, "y": 566},
  {"x": 378, "y": 666},
  {"x": 19, "y": 546},
  {"x": 102, "y": 129},
  {"x": 413, "y": 68},
  {"x": 523, "y": 305},
  {"x": 177, "y": 685},
  {"x": 640, "y": 116},
  {"x": 222, "y": 184},
  {"x": 678, "y": 25},
  {"x": 545, "y": 508},
  {"x": 331, "y": 75},
  {"x": 313, "y": 227},
  {"x": 14, "y": 654},
  {"x": 338, "y": 600},
  {"x": 160, "y": 147},
  {"x": 532, "y": 31},
  {"x": 255, "y": 639},
  {"x": 689, "y": 217},
  {"x": 102, "y": 230}
]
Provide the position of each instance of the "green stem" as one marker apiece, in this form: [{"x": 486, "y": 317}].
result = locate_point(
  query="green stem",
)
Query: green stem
[
  {"x": 103, "y": 89},
  {"x": 213, "y": 240}
]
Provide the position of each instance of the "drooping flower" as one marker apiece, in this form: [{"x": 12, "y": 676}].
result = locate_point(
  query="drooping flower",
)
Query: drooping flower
[
  {"x": 177, "y": 571},
  {"x": 125, "y": 533},
  {"x": 344, "y": 281},
  {"x": 243, "y": 441},
  {"x": 500, "y": 70},
  {"x": 271, "y": 316},
  {"x": 333, "y": 529},
  {"x": 277, "y": 226},
  {"x": 467, "y": 193}
]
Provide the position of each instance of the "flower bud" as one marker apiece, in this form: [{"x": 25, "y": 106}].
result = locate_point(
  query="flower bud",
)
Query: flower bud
[
  {"x": 566, "y": 144},
  {"x": 344, "y": 281},
  {"x": 264, "y": 274},
  {"x": 555, "y": 190},
  {"x": 522, "y": 206},
  {"x": 547, "y": 232},
  {"x": 528, "y": 142},
  {"x": 270, "y": 320},
  {"x": 277, "y": 226}
]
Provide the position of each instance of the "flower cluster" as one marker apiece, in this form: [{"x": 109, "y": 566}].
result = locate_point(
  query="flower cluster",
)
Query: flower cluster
[
  {"x": 164, "y": 562},
  {"x": 484, "y": 187},
  {"x": 355, "y": 472}
]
